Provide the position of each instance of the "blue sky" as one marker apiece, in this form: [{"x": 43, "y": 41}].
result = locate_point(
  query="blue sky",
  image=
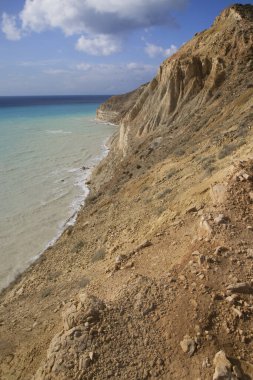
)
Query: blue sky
[{"x": 50, "y": 47}]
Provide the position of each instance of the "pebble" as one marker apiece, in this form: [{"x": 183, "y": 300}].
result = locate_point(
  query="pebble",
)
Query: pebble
[
  {"x": 188, "y": 345},
  {"x": 220, "y": 219}
]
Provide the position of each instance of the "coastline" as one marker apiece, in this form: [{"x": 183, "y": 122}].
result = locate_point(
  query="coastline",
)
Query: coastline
[{"x": 77, "y": 205}]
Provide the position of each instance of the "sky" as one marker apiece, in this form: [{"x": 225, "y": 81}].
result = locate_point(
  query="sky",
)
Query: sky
[{"x": 90, "y": 47}]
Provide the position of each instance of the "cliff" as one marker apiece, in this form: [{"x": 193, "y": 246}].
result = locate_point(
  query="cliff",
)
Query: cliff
[
  {"x": 154, "y": 281},
  {"x": 204, "y": 76}
]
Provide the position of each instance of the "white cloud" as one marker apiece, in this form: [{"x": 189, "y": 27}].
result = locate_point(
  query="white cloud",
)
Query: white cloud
[
  {"x": 96, "y": 20},
  {"x": 132, "y": 67},
  {"x": 96, "y": 16},
  {"x": 83, "y": 66},
  {"x": 155, "y": 50},
  {"x": 98, "y": 45},
  {"x": 9, "y": 27},
  {"x": 171, "y": 50},
  {"x": 56, "y": 71}
]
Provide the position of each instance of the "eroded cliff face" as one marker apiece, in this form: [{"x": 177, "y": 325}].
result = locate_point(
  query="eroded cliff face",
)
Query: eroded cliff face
[{"x": 194, "y": 78}]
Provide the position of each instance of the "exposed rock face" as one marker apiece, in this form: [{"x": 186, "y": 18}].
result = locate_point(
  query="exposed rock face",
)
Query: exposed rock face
[
  {"x": 191, "y": 80},
  {"x": 117, "y": 106}
]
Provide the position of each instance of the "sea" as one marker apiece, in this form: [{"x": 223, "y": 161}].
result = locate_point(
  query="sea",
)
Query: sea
[{"x": 48, "y": 147}]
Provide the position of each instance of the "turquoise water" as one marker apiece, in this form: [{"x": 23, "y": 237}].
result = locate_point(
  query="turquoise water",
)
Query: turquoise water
[{"x": 43, "y": 151}]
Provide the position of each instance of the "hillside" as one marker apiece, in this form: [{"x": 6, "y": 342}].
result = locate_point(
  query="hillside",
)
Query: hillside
[{"x": 155, "y": 279}]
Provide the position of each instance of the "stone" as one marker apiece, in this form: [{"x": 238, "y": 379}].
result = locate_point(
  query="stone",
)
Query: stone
[
  {"x": 218, "y": 193},
  {"x": 188, "y": 345},
  {"x": 120, "y": 259},
  {"x": 205, "y": 228},
  {"x": 220, "y": 219},
  {"x": 84, "y": 363},
  {"x": 201, "y": 259},
  {"x": 191, "y": 209},
  {"x": 220, "y": 249},
  {"x": 237, "y": 372},
  {"x": 237, "y": 312},
  {"x": 231, "y": 299},
  {"x": 222, "y": 367}
]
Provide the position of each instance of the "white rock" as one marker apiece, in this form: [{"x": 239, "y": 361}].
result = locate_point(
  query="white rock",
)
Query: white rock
[
  {"x": 188, "y": 345},
  {"x": 218, "y": 193},
  {"x": 222, "y": 367}
]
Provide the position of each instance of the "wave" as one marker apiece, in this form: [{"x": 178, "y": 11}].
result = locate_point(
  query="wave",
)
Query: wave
[{"x": 58, "y": 131}]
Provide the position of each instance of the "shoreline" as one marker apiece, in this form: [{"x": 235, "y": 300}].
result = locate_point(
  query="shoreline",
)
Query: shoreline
[{"x": 71, "y": 220}]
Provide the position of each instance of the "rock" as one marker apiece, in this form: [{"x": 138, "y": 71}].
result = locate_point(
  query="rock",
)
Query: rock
[
  {"x": 20, "y": 291},
  {"x": 84, "y": 363},
  {"x": 191, "y": 209},
  {"x": 237, "y": 372},
  {"x": 241, "y": 287},
  {"x": 146, "y": 243},
  {"x": 231, "y": 299},
  {"x": 205, "y": 228},
  {"x": 251, "y": 195},
  {"x": 220, "y": 249},
  {"x": 221, "y": 219},
  {"x": 218, "y": 193},
  {"x": 195, "y": 253},
  {"x": 201, "y": 259},
  {"x": 246, "y": 176},
  {"x": 222, "y": 367},
  {"x": 188, "y": 345},
  {"x": 237, "y": 312},
  {"x": 206, "y": 363},
  {"x": 120, "y": 259}
]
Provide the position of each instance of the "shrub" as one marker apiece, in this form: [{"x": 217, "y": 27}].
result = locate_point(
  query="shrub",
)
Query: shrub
[{"x": 229, "y": 149}]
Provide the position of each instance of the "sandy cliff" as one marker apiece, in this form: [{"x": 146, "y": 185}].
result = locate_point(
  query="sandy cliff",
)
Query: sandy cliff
[
  {"x": 155, "y": 279},
  {"x": 208, "y": 67}
]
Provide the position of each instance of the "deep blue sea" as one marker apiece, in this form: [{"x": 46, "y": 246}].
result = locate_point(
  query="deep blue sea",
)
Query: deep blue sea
[{"x": 45, "y": 143}]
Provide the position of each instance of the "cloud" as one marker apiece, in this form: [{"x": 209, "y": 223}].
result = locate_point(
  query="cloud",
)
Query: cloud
[
  {"x": 97, "y": 16},
  {"x": 98, "y": 45},
  {"x": 132, "y": 67},
  {"x": 83, "y": 66},
  {"x": 9, "y": 27},
  {"x": 95, "y": 21},
  {"x": 155, "y": 50},
  {"x": 56, "y": 71},
  {"x": 171, "y": 50}
]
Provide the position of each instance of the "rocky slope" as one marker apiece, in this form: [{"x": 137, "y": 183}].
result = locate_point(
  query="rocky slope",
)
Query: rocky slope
[{"x": 155, "y": 279}]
